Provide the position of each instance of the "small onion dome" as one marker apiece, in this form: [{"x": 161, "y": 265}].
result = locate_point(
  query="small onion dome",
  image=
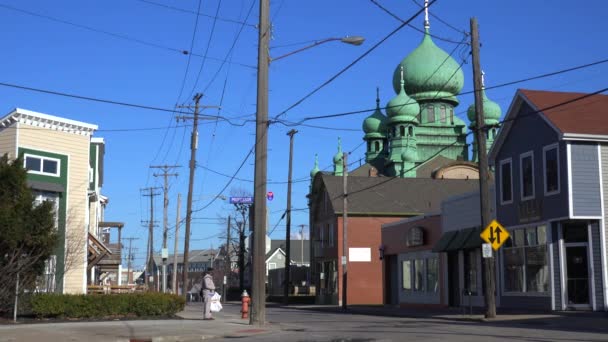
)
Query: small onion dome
[
  {"x": 374, "y": 125},
  {"x": 315, "y": 169},
  {"x": 409, "y": 155},
  {"x": 402, "y": 108},
  {"x": 338, "y": 156},
  {"x": 491, "y": 111},
  {"x": 431, "y": 73}
]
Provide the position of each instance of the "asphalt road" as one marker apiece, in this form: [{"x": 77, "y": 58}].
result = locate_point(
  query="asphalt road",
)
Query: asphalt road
[{"x": 304, "y": 326}]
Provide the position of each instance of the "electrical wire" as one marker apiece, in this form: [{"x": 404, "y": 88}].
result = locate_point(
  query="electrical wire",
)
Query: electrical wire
[
  {"x": 231, "y": 48},
  {"x": 350, "y": 65},
  {"x": 198, "y": 13},
  {"x": 117, "y": 35},
  {"x": 415, "y": 27},
  {"x": 443, "y": 21}
]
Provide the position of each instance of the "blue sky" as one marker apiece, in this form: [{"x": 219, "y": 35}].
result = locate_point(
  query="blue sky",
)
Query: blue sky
[{"x": 519, "y": 39}]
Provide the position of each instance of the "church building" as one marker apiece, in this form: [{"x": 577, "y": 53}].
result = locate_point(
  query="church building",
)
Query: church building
[{"x": 416, "y": 156}]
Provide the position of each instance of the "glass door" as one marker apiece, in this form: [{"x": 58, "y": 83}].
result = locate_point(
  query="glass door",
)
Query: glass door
[{"x": 577, "y": 263}]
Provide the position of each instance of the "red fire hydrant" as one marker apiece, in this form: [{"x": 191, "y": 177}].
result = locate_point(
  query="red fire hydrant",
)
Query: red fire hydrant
[{"x": 245, "y": 304}]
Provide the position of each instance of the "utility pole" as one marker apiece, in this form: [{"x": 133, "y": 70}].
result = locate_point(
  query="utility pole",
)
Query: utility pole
[
  {"x": 484, "y": 194},
  {"x": 174, "y": 283},
  {"x": 193, "y": 147},
  {"x": 344, "y": 230},
  {"x": 165, "y": 251},
  {"x": 302, "y": 244},
  {"x": 241, "y": 226},
  {"x": 150, "y": 261},
  {"x": 258, "y": 288},
  {"x": 227, "y": 260},
  {"x": 130, "y": 259},
  {"x": 288, "y": 221}
]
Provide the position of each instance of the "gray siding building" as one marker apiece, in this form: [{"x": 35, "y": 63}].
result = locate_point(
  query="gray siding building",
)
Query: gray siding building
[{"x": 550, "y": 161}]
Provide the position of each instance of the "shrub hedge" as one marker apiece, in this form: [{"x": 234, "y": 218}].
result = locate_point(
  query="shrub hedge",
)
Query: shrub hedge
[{"x": 106, "y": 305}]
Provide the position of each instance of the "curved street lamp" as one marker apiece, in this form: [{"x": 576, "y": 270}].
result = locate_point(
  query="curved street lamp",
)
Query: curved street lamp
[{"x": 352, "y": 40}]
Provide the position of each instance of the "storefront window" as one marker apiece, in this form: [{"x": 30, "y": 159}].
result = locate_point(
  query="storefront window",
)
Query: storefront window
[
  {"x": 407, "y": 274},
  {"x": 470, "y": 272},
  {"x": 419, "y": 274},
  {"x": 525, "y": 261},
  {"x": 432, "y": 272}
]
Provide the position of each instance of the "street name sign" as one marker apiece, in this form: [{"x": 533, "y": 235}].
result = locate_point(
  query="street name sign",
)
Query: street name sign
[
  {"x": 241, "y": 200},
  {"x": 495, "y": 234}
]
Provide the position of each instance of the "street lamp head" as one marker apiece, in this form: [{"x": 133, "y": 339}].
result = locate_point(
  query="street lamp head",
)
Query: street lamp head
[{"x": 353, "y": 40}]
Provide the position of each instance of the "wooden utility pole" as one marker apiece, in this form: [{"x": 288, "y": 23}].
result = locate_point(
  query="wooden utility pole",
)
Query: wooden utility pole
[
  {"x": 165, "y": 251},
  {"x": 288, "y": 222},
  {"x": 150, "y": 261},
  {"x": 484, "y": 178},
  {"x": 258, "y": 288},
  {"x": 130, "y": 259},
  {"x": 241, "y": 261},
  {"x": 174, "y": 283},
  {"x": 193, "y": 148},
  {"x": 344, "y": 230}
]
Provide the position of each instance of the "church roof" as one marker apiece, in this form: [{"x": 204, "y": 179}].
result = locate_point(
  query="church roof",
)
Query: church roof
[
  {"x": 430, "y": 73},
  {"x": 387, "y": 196}
]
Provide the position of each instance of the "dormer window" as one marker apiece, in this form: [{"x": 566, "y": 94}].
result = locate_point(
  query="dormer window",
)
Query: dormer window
[{"x": 410, "y": 130}]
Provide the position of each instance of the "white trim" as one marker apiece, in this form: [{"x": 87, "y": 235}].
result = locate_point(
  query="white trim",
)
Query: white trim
[
  {"x": 545, "y": 149},
  {"x": 597, "y": 217},
  {"x": 42, "y": 159},
  {"x": 521, "y": 176},
  {"x": 591, "y": 266},
  {"x": 584, "y": 137},
  {"x": 602, "y": 228},
  {"x": 16, "y": 141},
  {"x": 500, "y": 164},
  {"x": 562, "y": 254},
  {"x": 569, "y": 163},
  {"x": 550, "y": 244},
  {"x": 46, "y": 121}
]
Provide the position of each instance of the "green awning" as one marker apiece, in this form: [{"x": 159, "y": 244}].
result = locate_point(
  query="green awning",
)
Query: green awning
[
  {"x": 474, "y": 240},
  {"x": 444, "y": 241},
  {"x": 458, "y": 242}
]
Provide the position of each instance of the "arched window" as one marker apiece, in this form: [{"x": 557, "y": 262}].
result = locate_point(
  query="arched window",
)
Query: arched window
[
  {"x": 442, "y": 114},
  {"x": 402, "y": 131},
  {"x": 452, "y": 116},
  {"x": 430, "y": 114},
  {"x": 377, "y": 146},
  {"x": 369, "y": 146},
  {"x": 410, "y": 131}
]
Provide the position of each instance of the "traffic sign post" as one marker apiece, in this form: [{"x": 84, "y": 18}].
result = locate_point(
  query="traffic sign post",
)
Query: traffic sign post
[
  {"x": 486, "y": 249},
  {"x": 495, "y": 234}
]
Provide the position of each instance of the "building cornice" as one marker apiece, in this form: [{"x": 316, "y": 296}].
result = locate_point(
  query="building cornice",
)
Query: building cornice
[{"x": 46, "y": 121}]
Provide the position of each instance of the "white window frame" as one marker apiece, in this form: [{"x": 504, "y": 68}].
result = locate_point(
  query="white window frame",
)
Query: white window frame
[
  {"x": 273, "y": 267},
  {"x": 521, "y": 176},
  {"x": 502, "y": 162},
  {"x": 53, "y": 197},
  {"x": 545, "y": 149},
  {"x": 42, "y": 159}
]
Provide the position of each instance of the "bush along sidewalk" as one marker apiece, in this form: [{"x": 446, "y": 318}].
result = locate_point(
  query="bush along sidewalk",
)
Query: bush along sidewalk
[{"x": 51, "y": 305}]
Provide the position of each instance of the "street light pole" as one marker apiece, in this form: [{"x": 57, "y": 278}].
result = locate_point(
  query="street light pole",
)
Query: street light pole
[
  {"x": 352, "y": 40},
  {"x": 291, "y": 133}
]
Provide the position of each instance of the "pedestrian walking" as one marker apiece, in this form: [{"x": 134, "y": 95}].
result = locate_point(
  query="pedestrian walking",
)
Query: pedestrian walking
[{"x": 208, "y": 290}]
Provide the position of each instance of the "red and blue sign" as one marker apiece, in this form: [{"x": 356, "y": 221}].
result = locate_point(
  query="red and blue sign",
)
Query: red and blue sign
[{"x": 270, "y": 195}]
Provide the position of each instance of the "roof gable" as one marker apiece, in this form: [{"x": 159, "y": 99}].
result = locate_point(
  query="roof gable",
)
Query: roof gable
[{"x": 47, "y": 121}]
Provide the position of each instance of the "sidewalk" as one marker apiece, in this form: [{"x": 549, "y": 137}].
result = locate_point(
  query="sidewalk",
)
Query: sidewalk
[{"x": 189, "y": 326}]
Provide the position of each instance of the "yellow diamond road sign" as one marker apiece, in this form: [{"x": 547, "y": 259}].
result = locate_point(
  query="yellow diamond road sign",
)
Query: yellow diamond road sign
[{"x": 495, "y": 234}]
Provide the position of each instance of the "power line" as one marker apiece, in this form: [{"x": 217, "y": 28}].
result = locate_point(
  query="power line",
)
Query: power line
[
  {"x": 117, "y": 35},
  {"x": 350, "y": 65},
  {"x": 415, "y": 27},
  {"x": 236, "y": 38},
  {"x": 500, "y": 85},
  {"x": 200, "y": 71},
  {"x": 198, "y": 13}
]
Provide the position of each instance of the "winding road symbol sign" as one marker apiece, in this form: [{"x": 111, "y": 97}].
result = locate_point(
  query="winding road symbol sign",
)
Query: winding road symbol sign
[{"x": 495, "y": 234}]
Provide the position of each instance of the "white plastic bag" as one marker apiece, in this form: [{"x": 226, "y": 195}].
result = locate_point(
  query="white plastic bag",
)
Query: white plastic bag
[{"x": 216, "y": 305}]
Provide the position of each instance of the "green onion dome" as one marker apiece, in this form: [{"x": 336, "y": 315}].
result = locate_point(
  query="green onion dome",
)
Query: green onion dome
[
  {"x": 491, "y": 111},
  {"x": 432, "y": 74},
  {"x": 374, "y": 125},
  {"x": 338, "y": 156},
  {"x": 402, "y": 108}
]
